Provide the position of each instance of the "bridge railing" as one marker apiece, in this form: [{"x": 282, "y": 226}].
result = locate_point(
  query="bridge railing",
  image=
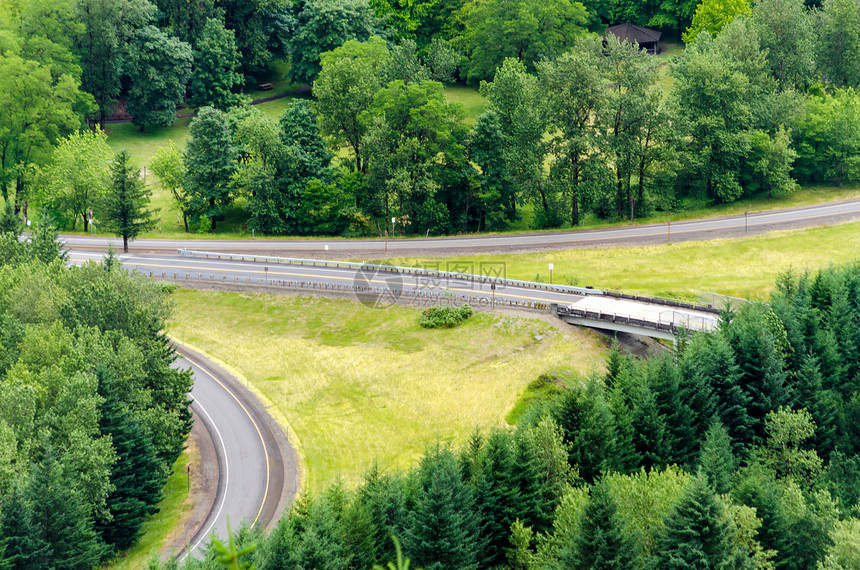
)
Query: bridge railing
[
  {"x": 436, "y": 273},
  {"x": 671, "y": 325}
]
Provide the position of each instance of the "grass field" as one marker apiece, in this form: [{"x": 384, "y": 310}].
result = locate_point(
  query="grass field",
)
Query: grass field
[
  {"x": 745, "y": 267},
  {"x": 359, "y": 384},
  {"x": 157, "y": 530}
]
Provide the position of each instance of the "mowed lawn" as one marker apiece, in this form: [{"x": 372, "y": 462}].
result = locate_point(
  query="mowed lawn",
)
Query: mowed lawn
[
  {"x": 743, "y": 267},
  {"x": 359, "y": 384}
]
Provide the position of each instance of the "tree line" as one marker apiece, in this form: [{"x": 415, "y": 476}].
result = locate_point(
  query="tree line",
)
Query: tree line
[
  {"x": 762, "y": 98},
  {"x": 92, "y": 415},
  {"x": 739, "y": 449}
]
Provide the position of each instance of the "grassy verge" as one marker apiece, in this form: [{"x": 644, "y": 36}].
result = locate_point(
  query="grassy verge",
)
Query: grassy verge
[
  {"x": 745, "y": 267},
  {"x": 158, "y": 529},
  {"x": 359, "y": 384}
]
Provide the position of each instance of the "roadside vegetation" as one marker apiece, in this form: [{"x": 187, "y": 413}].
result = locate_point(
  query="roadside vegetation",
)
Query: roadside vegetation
[
  {"x": 92, "y": 416},
  {"x": 360, "y": 385},
  {"x": 738, "y": 449},
  {"x": 741, "y": 267},
  {"x": 564, "y": 128}
]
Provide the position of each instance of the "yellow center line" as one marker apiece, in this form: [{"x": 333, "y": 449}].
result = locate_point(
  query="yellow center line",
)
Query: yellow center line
[{"x": 292, "y": 274}]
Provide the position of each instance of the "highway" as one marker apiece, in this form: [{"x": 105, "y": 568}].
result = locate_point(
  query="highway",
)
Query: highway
[
  {"x": 382, "y": 287},
  {"x": 709, "y": 228},
  {"x": 257, "y": 473}
]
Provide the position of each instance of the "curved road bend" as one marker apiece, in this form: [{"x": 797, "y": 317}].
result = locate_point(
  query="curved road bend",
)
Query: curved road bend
[
  {"x": 257, "y": 473},
  {"x": 693, "y": 230}
]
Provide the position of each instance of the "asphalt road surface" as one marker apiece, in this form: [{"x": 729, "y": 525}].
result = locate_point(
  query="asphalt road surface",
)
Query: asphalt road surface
[
  {"x": 733, "y": 226},
  {"x": 256, "y": 468},
  {"x": 387, "y": 287}
]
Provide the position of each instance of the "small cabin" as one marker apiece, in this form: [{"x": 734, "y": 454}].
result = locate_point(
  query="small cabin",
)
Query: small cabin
[{"x": 647, "y": 39}]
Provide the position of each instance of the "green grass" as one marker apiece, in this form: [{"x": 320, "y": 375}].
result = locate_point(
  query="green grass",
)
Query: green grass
[
  {"x": 473, "y": 102},
  {"x": 745, "y": 267},
  {"x": 358, "y": 384},
  {"x": 543, "y": 389},
  {"x": 158, "y": 529}
]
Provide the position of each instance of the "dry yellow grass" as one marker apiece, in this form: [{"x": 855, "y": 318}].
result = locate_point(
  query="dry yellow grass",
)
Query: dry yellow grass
[{"x": 359, "y": 384}]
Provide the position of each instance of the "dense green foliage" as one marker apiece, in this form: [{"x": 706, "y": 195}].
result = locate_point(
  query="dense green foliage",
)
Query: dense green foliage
[
  {"x": 444, "y": 317},
  {"x": 736, "y": 450},
  {"x": 762, "y": 99},
  {"x": 92, "y": 415}
]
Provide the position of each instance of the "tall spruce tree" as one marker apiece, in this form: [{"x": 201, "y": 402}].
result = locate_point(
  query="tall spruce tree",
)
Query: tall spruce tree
[
  {"x": 442, "y": 531},
  {"x": 716, "y": 461},
  {"x": 61, "y": 517},
  {"x": 125, "y": 210},
  {"x": 9, "y": 220},
  {"x": 697, "y": 534},
  {"x": 496, "y": 495},
  {"x": 136, "y": 476},
  {"x": 25, "y": 547},
  {"x": 602, "y": 541},
  {"x": 588, "y": 425}
]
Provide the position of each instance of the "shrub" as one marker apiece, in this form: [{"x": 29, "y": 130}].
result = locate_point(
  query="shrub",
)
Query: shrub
[{"x": 444, "y": 317}]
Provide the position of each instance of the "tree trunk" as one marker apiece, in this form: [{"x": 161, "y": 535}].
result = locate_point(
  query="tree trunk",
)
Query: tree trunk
[
  {"x": 185, "y": 220},
  {"x": 125, "y": 244}
]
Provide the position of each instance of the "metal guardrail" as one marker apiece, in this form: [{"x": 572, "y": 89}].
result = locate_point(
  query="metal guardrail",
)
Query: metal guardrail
[{"x": 454, "y": 275}]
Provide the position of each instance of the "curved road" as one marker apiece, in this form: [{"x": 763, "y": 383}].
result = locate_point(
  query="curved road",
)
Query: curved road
[
  {"x": 256, "y": 471},
  {"x": 708, "y": 228}
]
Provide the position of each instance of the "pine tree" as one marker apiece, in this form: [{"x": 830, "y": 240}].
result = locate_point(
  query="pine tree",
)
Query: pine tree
[
  {"x": 716, "y": 461},
  {"x": 136, "y": 475},
  {"x": 824, "y": 405},
  {"x": 125, "y": 205},
  {"x": 602, "y": 542},
  {"x": 680, "y": 435},
  {"x": 649, "y": 430},
  {"x": 44, "y": 244},
  {"x": 25, "y": 548},
  {"x": 9, "y": 220},
  {"x": 535, "y": 496},
  {"x": 697, "y": 534},
  {"x": 496, "y": 495},
  {"x": 61, "y": 517},
  {"x": 442, "y": 531},
  {"x": 588, "y": 426}
]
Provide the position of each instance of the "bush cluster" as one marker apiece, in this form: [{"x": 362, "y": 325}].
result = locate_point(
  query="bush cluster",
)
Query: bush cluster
[{"x": 444, "y": 317}]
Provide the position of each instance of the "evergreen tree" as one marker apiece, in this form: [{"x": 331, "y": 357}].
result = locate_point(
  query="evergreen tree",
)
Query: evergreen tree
[
  {"x": 25, "y": 547},
  {"x": 588, "y": 426},
  {"x": 602, "y": 542},
  {"x": 497, "y": 497},
  {"x": 210, "y": 160},
  {"x": 697, "y": 534},
  {"x": 649, "y": 430},
  {"x": 216, "y": 65},
  {"x": 9, "y": 220},
  {"x": 61, "y": 518},
  {"x": 442, "y": 531},
  {"x": 136, "y": 476},
  {"x": 44, "y": 243},
  {"x": 124, "y": 208},
  {"x": 716, "y": 461}
]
